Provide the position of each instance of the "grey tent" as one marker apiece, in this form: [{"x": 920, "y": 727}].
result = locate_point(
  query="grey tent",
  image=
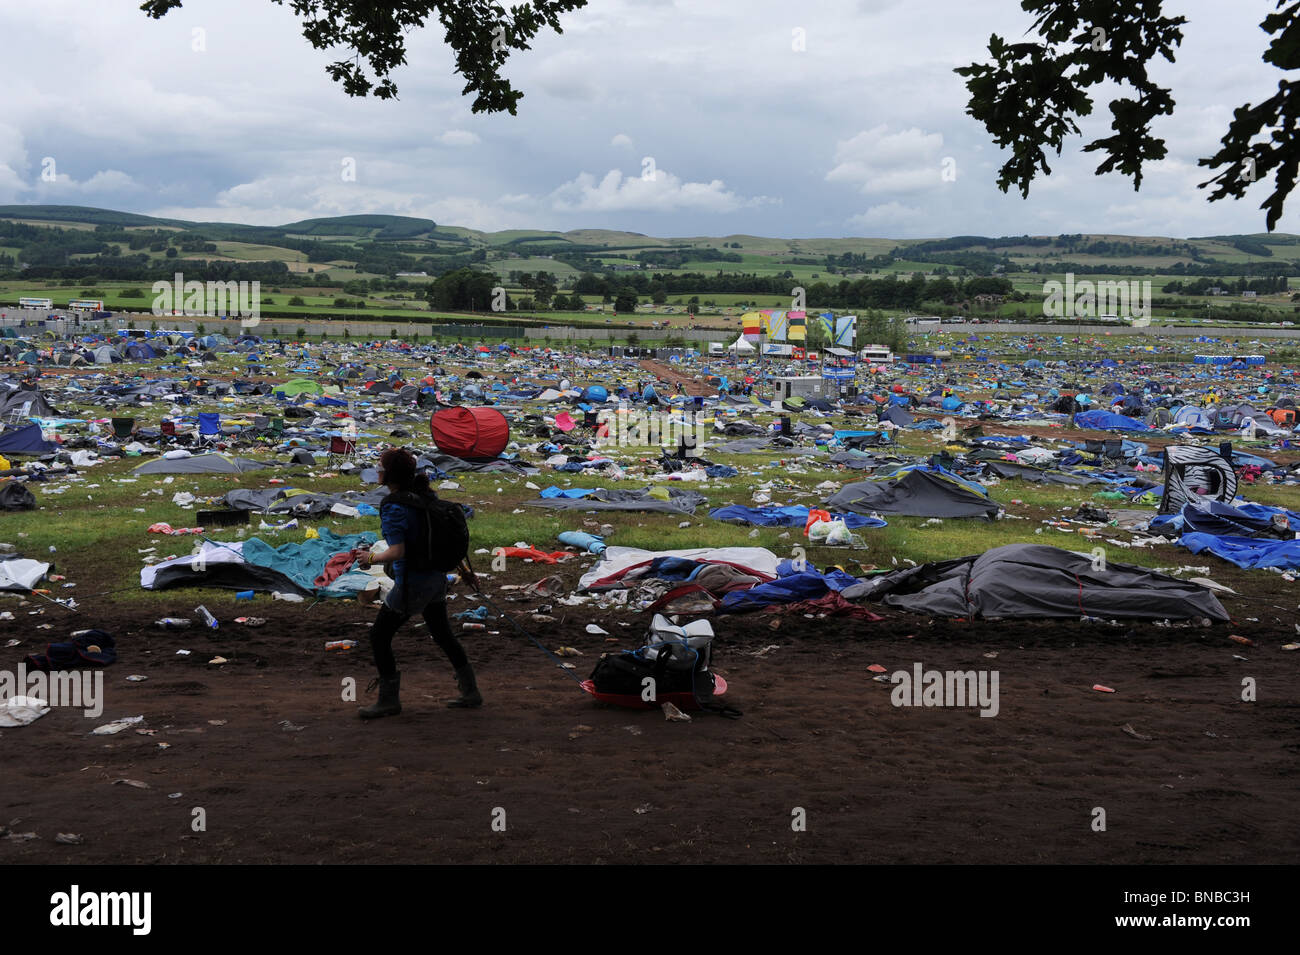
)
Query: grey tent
[
  {"x": 897, "y": 415},
  {"x": 1159, "y": 417},
  {"x": 1036, "y": 581},
  {"x": 918, "y": 493},
  {"x": 27, "y": 403},
  {"x": 201, "y": 464}
]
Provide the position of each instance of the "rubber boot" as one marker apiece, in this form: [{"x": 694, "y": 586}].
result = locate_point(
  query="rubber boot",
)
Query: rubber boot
[
  {"x": 388, "y": 703},
  {"x": 469, "y": 695}
]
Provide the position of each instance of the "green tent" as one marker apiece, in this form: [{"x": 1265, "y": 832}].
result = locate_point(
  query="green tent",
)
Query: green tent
[{"x": 298, "y": 386}]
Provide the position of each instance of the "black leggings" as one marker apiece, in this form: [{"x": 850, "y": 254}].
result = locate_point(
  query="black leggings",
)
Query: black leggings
[{"x": 385, "y": 628}]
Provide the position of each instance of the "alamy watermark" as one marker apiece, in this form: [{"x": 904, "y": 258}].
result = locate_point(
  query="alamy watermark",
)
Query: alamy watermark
[
  {"x": 242, "y": 300},
  {"x": 924, "y": 687},
  {"x": 1099, "y": 300},
  {"x": 80, "y": 689}
]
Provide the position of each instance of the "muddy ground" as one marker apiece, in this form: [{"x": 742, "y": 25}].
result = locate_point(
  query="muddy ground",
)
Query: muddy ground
[{"x": 283, "y": 770}]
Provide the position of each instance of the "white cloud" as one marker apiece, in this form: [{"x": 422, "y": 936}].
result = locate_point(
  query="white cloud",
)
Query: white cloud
[
  {"x": 458, "y": 137},
  {"x": 622, "y": 141},
  {"x": 886, "y": 215},
  {"x": 660, "y": 191},
  {"x": 878, "y": 161}
]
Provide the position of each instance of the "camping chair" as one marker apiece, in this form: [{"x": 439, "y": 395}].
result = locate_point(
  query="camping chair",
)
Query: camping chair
[
  {"x": 168, "y": 428},
  {"x": 342, "y": 451},
  {"x": 123, "y": 428},
  {"x": 209, "y": 427},
  {"x": 20, "y": 414}
]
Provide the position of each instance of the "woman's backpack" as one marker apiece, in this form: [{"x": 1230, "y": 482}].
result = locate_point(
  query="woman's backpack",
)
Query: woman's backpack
[{"x": 438, "y": 539}]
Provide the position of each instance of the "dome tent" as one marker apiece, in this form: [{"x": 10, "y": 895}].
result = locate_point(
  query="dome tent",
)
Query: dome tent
[{"x": 470, "y": 433}]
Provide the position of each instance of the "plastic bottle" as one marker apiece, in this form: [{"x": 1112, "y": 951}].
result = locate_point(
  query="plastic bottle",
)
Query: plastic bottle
[
  {"x": 340, "y": 645},
  {"x": 175, "y": 623},
  {"x": 210, "y": 620}
]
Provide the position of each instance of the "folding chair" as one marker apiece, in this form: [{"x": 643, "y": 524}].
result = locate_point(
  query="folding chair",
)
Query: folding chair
[
  {"x": 123, "y": 428},
  {"x": 20, "y": 414},
  {"x": 342, "y": 451},
  {"x": 167, "y": 427},
  {"x": 209, "y": 427}
]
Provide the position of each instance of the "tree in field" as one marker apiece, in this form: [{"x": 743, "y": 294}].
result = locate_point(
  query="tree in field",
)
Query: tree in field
[
  {"x": 481, "y": 33},
  {"x": 462, "y": 290},
  {"x": 626, "y": 301},
  {"x": 1029, "y": 97}
]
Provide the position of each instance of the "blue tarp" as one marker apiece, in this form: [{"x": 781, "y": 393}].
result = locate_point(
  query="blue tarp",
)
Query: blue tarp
[
  {"x": 791, "y": 588},
  {"x": 792, "y": 516},
  {"x": 1224, "y": 520},
  {"x": 1246, "y": 552}
]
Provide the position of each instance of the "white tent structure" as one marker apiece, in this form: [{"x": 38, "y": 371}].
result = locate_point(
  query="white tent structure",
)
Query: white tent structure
[{"x": 741, "y": 347}]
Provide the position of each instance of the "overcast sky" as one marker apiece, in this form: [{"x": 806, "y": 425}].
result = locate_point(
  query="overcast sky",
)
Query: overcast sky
[{"x": 847, "y": 137}]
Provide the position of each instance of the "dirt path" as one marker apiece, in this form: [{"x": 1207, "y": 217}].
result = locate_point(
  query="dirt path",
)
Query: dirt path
[
  {"x": 690, "y": 384},
  {"x": 283, "y": 771}
]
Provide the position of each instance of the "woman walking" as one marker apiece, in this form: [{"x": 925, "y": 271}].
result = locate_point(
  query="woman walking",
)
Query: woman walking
[{"x": 414, "y": 590}]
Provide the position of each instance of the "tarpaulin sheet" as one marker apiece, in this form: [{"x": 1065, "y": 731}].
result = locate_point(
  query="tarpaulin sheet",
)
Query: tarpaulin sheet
[
  {"x": 791, "y": 516},
  {"x": 1246, "y": 552}
]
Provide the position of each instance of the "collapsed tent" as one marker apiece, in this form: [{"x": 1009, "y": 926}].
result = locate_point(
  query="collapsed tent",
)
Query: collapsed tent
[
  {"x": 201, "y": 464},
  {"x": 26, "y": 403},
  {"x": 792, "y": 586},
  {"x": 1108, "y": 421},
  {"x": 285, "y": 500},
  {"x": 625, "y": 566},
  {"x": 255, "y": 565},
  {"x": 470, "y": 433},
  {"x": 918, "y": 493},
  {"x": 792, "y": 516},
  {"x": 659, "y": 499},
  {"x": 1036, "y": 581},
  {"x": 28, "y": 440},
  {"x": 1192, "y": 473}
]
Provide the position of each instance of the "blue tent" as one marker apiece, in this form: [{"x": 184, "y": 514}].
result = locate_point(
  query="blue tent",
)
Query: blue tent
[
  {"x": 595, "y": 393},
  {"x": 1106, "y": 421},
  {"x": 26, "y": 440}
]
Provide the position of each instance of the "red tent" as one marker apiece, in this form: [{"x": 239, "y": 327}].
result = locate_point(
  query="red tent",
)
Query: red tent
[{"x": 470, "y": 432}]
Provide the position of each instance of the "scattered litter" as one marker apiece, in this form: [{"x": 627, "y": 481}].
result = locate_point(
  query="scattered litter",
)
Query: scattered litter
[
  {"x": 1127, "y": 728},
  {"x": 22, "y": 710},
  {"x": 108, "y": 729},
  {"x": 673, "y": 715}
]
